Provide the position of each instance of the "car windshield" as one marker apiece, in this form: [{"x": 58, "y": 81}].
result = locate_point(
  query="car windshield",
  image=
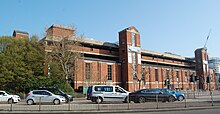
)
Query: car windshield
[
  {"x": 57, "y": 92},
  {"x": 7, "y": 93}
]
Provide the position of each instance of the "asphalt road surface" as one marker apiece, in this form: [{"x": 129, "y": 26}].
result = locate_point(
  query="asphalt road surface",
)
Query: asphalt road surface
[{"x": 202, "y": 111}]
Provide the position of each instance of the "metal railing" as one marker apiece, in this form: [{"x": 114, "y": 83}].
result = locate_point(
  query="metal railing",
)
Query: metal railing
[{"x": 192, "y": 99}]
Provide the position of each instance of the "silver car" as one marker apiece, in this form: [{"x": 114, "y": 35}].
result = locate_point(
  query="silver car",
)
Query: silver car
[
  {"x": 5, "y": 97},
  {"x": 43, "y": 96}
]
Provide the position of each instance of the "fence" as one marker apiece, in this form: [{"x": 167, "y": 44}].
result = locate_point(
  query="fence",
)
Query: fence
[{"x": 192, "y": 99}]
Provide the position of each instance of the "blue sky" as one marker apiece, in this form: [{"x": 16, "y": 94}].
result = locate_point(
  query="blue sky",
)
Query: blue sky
[{"x": 176, "y": 26}]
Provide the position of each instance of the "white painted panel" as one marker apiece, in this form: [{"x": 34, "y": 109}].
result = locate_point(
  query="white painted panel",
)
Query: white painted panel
[
  {"x": 139, "y": 58},
  {"x": 129, "y": 57}
]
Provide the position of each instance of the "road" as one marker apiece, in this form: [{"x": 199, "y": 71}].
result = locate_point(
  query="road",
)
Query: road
[
  {"x": 85, "y": 105},
  {"x": 205, "y": 111}
]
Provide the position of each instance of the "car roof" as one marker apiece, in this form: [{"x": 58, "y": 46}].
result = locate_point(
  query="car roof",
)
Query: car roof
[{"x": 41, "y": 90}]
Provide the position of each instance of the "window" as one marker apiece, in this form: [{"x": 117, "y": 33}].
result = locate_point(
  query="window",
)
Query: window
[
  {"x": 167, "y": 74},
  {"x": 37, "y": 92},
  {"x": 104, "y": 88},
  {"x": 99, "y": 88},
  {"x": 186, "y": 77},
  {"x": 87, "y": 71},
  {"x": 108, "y": 89},
  {"x": 134, "y": 66},
  {"x": 109, "y": 77},
  {"x": 133, "y": 39},
  {"x": 177, "y": 74},
  {"x": 145, "y": 91},
  {"x": 2, "y": 93},
  {"x": 156, "y": 74},
  {"x": 143, "y": 72},
  {"x": 45, "y": 93},
  {"x": 117, "y": 89}
]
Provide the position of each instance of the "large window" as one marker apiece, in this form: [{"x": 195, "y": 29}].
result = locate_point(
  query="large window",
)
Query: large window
[
  {"x": 156, "y": 74},
  {"x": 134, "y": 66},
  {"x": 87, "y": 71},
  {"x": 167, "y": 74},
  {"x": 186, "y": 79},
  {"x": 109, "y": 72},
  {"x": 133, "y": 39},
  {"x": 177, "y": 74}
]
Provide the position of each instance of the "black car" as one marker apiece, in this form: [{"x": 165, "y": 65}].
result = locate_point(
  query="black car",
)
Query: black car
[
  {"x": 57, "y": 91},
  {"x": 144, "y": 95}
]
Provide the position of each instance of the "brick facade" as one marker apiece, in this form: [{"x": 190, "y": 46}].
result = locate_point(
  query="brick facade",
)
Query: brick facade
[
  {"x": 20, "y": 34},
  {"x": 129, "y": 66}
]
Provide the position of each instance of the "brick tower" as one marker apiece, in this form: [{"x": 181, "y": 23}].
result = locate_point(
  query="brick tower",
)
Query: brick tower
[
  {"x": 130, "y": 57},
  {"x": 202, "y": 68}
]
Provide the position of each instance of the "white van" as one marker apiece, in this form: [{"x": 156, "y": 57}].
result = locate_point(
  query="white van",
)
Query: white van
[{"x": 100, "y": 93}]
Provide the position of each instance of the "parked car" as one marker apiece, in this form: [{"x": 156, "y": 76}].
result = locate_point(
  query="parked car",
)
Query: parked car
[
  {"x": 43, "y": 96},
  {"x": 100, "y": 93},
  {"x": 57, "y": 91},
  {"x": 180, "y": 96},
  {"x": 5, "y": 97},
  {"x": 141, "y": 96}
]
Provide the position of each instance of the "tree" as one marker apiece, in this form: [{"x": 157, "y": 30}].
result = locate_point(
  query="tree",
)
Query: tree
[
  {"x": 21, "y": 61},
  {"x": 65, "y": 52}
]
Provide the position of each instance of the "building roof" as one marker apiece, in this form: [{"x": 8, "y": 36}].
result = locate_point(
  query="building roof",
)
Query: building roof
[
  {"x": 83, "y": 40},
  {"x": 20, "y": 32},
  {"x": 166, "y": 54},
  {"x": 59, "y": 26},
  {"x": 114, "y": 45}
]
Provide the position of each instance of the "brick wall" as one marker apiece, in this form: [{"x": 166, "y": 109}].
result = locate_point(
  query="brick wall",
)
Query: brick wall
[{"x": 58, "y": 31}]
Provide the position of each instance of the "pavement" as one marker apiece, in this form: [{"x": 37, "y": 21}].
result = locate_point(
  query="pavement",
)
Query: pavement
[{"x": 112, "y": 111}]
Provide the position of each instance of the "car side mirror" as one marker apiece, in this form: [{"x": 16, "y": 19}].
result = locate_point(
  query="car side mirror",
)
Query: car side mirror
[{"x": 173, "y": 92}]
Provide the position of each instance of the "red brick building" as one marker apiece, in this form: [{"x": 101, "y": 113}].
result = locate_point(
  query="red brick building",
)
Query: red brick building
[
  {"x": 20, "y": 34},
  {"x": 128, "y": 65}
]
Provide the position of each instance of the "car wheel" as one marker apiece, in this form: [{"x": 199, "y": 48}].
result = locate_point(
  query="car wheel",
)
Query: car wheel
[
  {"x": 180, "y": 98},
  {"x": 56, "y": 101},
  {"x": 30, "y": 102},
  {"x": 141, "y": 100},
  {"x": 171, "y": 99},
  {"x": 93, "y": 100},
  {"x": 99, "y": 100},
  {"x": 10, "y": 101}
]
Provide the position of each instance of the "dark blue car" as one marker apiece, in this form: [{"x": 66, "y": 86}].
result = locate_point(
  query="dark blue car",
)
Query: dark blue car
[
  {"x": 180, "y": 96},
  {"x": 144, "y": 95}
]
